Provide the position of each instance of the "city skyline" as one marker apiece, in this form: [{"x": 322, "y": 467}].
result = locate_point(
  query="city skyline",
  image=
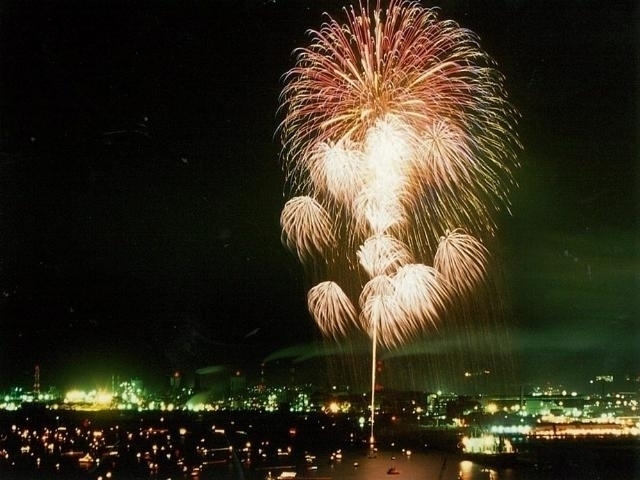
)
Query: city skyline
[
  {"x": 222, "y": 382},
  {"x": 141, "y": 188}
]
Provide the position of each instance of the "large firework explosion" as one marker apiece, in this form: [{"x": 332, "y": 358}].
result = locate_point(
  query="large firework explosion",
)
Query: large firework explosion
[{"x": 398, "y": 148}]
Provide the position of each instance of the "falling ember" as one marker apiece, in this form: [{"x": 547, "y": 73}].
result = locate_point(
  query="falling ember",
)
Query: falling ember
[
  {"x": 383, "y": 255},
  {"x": 379, "y": 286},
  {"x": 420, "y": 291},
  {"x": 331, "y": 308},
  {"x": 381, "y": 314},
  {"x": 461, "y": 259},
  {"x": 306, "y": 228},
  {"x": 338, "y": 171}
]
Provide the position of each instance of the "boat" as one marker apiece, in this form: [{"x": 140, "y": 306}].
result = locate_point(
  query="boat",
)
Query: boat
[{"x": 283, "y": 475}]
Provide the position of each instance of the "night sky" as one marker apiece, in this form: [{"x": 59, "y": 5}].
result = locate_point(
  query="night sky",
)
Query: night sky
[{"x": 140, "y": 186}]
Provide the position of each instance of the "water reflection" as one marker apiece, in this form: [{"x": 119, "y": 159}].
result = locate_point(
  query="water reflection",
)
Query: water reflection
[{"x": 259, "y": 446}]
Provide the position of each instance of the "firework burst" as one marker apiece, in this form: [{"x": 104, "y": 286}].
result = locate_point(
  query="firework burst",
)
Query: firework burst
[
  {"x": 398, "y": 148},
  {"x": 442, "y": 92}
]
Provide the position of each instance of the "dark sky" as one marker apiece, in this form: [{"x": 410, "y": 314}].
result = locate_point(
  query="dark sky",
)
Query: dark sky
[{"x": 140, "y": 188}]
